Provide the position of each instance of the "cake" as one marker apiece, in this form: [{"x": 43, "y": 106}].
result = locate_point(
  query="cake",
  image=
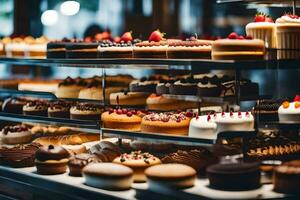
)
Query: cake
[
  {"x": 145, "y": 85},
  {"x": 80, "y": 49},
  {"x": 108, "y": 49},
  {"x": 70, "y": 88},
  {"x": 128, "y": 98},
  {"x": 263, "y": 28},
  {"x": 79, "y": 161},
  {"x": 106, "y": 151},
  {"x": 234, "y": 121},
  {"x": 155, "y": 47},
  {"x": 51, "y": 160},
  {"x": 123, "y": 119},
  {"x": 267, "y": 110},
  {"x": 18, "y": 134},
  {"x": 36, "y": 107},
  {"x": 59, "y": 109},
  {"x": 247, "y": 88},
  {"x": 199, "y": 159},
  {"x": 138, "y": 162},
  {"x": 207, "y": 89},
  {"x": 286, "y": 178},
  {"x": 18, "y": 155},
  {"x": 57, "y": 49},
  {"x": 236, "y": 47},
  {"x": 163, "y": 87},
  {"x": 38, "y": 85},
  {"x": 37, "y": 48},
  {"x": 186, "y": 86},
  {"x": 168, "y": 123},
  {"x": 161, "y": 103},
  {"x": 86, "y": 111},
  {"x": 16, "y": 48},
  {"x": 203, "y": 127},
  {"x": 289, "y": 111},
  {"x": 190, "y": 48},
  {"x": 14, "y": 105},
  {"x": 108, "y": 176},
  {"x": 234, "y": 176},
  {"x": 176, "y": 176},
  {"x": 288, "y": 31}
]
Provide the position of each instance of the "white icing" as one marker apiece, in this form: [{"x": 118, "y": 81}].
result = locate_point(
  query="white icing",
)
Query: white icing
[
  {"x": 16, "y": 47},
  {"x": 144, "y": 82},
  {"x": 103, "y": 49},
  {"x": 200, "y": 127},
  {"x": 290, "y": 110},
  {"x": 150, "y": 48},
  {"x": 208, "y": 85},
  {"x": 188, "y": 48},
  {"x": 186, "y": 84},
  {"x": 260, "y": 25},
  {"x": 37, "y": 47},
  {"x": 287, "y": 19}
]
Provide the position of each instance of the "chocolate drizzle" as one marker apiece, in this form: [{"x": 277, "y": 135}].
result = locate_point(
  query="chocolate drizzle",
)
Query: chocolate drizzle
[{"x": 13, "y": 129}]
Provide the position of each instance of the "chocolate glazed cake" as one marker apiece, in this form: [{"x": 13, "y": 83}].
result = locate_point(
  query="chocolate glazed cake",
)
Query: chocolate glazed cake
[
  {"x": 82, "y": 50},
  {"x": 184, "y": 87},
  {"x": 147, "y": 85},
  {"x": 57, "y": 49}
]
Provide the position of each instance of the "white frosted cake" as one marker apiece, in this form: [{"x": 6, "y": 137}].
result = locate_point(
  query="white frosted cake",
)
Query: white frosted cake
[
  {"x": 289, "y": 111},
  {"x": 203, "y": 127}
]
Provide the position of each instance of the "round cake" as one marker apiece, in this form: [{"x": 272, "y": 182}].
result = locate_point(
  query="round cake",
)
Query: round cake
[
  {"x": 237, "y": 47},
  {"x": 18, "y": 134},
  {"x": 109, "y": 176},
  {"x": 36, "y": 107},
  {"x": 138, "y": 162},
  {"x": 14, "y": 105},
  {"x": 123, "y": 119},
  {"x": 128, "y": 98},
  {"x": 170, "y": 175},
  {"x": 70, "y": 88},
  {"x": 289, "y": 111},
  {"x": 86, "y": 111},
  {"x": 234, "y": 177},
  {"x": 203, "y": 127},
  {"x": 59, "y": 109}
]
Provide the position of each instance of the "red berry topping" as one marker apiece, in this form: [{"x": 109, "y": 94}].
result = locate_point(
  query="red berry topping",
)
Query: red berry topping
[
  {"x": 119, "y": 112},
  {"x": 241, "y": 37},
  {"x": 197, "y": 116},
  {"x": 233, "y": 35},
  {"x": 260, "y": 17},
  {"x": 126, "y": 37},
  {"x": 124, "y": 111},
  {"x": 117, "y": 39},
  {"x": 292, "y": 16},
  {"x": 189, "y": 114},
  {"x": 248, "y": 37},
  {"x": 215, "y": 115},
  {"x": 208, "y": 117},
  {"x": 247, "y": 113},
  {"x": 269, "y": 19},
  {"x": 156, "y": 36},
  {"x": 110, "y": 110},
  {"x": 223, "y": 114},
  {"x": 134, "y": 112},
  {"x": 297, "y": 98},
  {"x": 231, "y": 114},
  {"x": 239, "y": 114},
  {"x": 129, "y": 114},
  {"x": 178, "y": 120}
]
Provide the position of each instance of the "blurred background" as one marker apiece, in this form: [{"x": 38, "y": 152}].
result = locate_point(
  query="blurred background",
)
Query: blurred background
[{"x": 76, "y": 19}]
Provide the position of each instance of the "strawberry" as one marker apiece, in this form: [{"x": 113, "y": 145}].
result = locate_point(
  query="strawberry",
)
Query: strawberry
[
  {"x": 126, "y": 37},
  {"x": 240, "y": 37},
  {"x": 248, "y": 37},
  {"x": 117, "y": 39},
  {"x": 233, "y": 35},
  {"x": 260, "y": 17},
  {"x": 297, "y": 98},
  {"x": 156, "y": 36},
  {"x": 106, "y": 35},
  {"x": 269, "y": 19}
]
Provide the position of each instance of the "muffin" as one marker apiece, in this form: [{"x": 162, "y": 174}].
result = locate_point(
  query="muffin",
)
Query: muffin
[{"x": 51, "y": 160}]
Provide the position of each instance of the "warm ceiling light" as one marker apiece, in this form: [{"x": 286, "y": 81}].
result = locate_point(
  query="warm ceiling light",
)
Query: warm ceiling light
[
  {"x": 69, "y": 8},
  {"x": 49, "y": 17}
]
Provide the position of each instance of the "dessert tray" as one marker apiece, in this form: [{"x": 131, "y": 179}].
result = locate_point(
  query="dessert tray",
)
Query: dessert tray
[{"x": 65, "y": 186}]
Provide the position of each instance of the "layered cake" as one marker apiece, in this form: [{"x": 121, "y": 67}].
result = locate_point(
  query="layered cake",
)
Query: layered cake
[
  {"x": 36, "y": 107},
  {"x": 155, "y": 47},
  {"x": 176, "y": 176},
  {"x": 86, "y": 111},
  {"x": 234, "y": 177},
  {"x": 186, "y": 86},
  {"x": 14, "y": 105},
  {"x": 234, "y": 121},
  {"x": 81, "y": 49},
  {"x": 51, "y": 160},
  {"x": 288, "y": 31},
  {"x": 286, "y": 178},
  {"x": 161, "y": 103},
  {"x": 146, "y": 85},
  {"x": 199, "y": 159},
  {"x": 169, "y": 123},
  {"x": 207, "y": 89},
  {"x": 236, "y": 47},
  {"x": 163, "y": 87},
  {"x": 37, "y": 48},
  {"x": 108, "y": 176},
  {"x": 138, "y": 162},
  {"x": 18, "y": 134},
  {"x": 203, "y": 127},
  {"x": 189, "y": 49},
  {"x": 16, "y": 48},
  {"x": 59, "y": 109},
  {"x": 124, "y": 119},
  {"x": 128, "y": 98},
  {"x": 19, "y": 155},
  {"x": 79, "y": 161},
  {"x": 267, "y": 110},
  {"x": 57, "y": 49},
  {"x": 289, "y": 111},
  {"x": 70, "y": 88},
  {"x": 263, "y": 28},
  {"x": 247, "y": 88}
]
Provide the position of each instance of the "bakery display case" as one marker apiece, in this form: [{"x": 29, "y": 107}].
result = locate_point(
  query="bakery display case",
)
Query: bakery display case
[{"x": 184, "y": 131}]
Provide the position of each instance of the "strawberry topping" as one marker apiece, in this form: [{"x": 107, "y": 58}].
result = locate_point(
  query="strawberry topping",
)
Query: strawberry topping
[
  {"x": 126, "y": 37},
  {"x": 156, "y": 36},
  {"x": 297, "y": 98}
]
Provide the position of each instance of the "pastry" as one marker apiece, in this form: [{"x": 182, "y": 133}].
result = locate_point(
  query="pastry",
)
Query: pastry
[
  {"x": 36, "y": 107},
  {"x": 236, "y": 47},
  {"x": 189, "y": 49},
  {"x": 14, "y": 105},
  {"x": 106, "y": 151},
  {"x": 108, "y": 49},
  {"x": 42, "y": 130},
  {"x": 247, "y": 88},
  {"x": 287, "y": 31},
  {"x": 286, "y": 178},
  {"x": 123, "y": 119},
  {"x": 57, "y": 49},
  {"x": 289, "y": 111},
  {"x": 70, "y": 88},
  {"x": 59, "y": 109},
  {"x": 199, "y": 159},
  {"x": 38, "y": 85},
  {"x": 263, "y": 28},
  {"x": 86, "y": 111},
  {"x": 170, "y": 175},
  {"x": 234, "y": 121},
  {"x": 128, "y": 98},
  {"x": 18, "y": 134},
  {"x": 121, "y": 80},
  {"x": 203, "y": 127},
  {"x": 234, "y": 177},
  {"x": 109, "y": 176},
  {"x": 267, "y": 110},
  {"x": 37, "y": 48},
  {"x": 80, "y": 49},
  {"x": 51, "y": 160},
  {"x": 169, "y": 123},
  {"x": 138, "y": 162},
  {"x": 207, "y": 89},
  {"x": 79, "y": 161},
  {"x": 16, "y": 48},
  {"x": 186, "y": 86},
  {"x": 155, "y": 47},
  {"x": 18, "y": 155},
  {"x": 161, "y": 103},
  {"x": 145, "y": 85},
  {"x": 75, "y": 149}
]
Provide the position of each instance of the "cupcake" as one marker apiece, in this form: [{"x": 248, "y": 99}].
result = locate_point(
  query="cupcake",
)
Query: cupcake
[
  {"x": 288, "y": 36},
  {"x": 263, "y": 28}
]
